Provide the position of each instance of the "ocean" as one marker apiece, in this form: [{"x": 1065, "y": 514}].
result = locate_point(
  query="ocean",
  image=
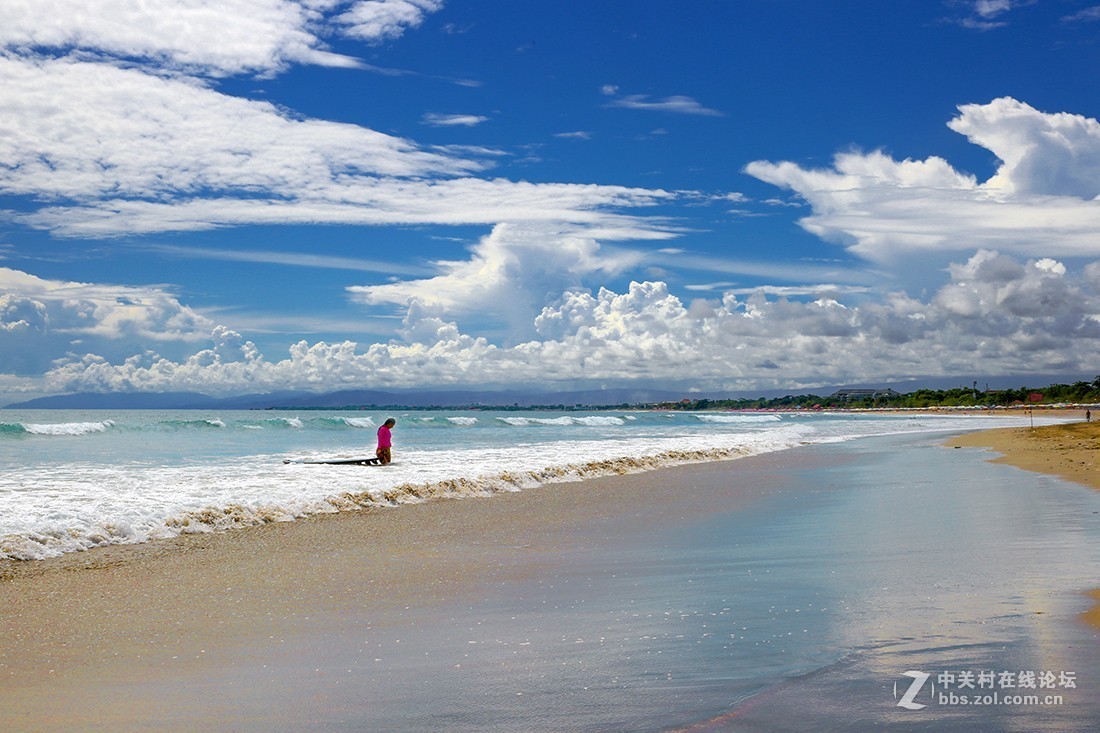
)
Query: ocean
[{"x": 74, "y": 480}]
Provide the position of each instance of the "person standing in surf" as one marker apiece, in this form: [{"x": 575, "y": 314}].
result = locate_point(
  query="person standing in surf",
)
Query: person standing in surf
[{"x": 385, "y": 442}]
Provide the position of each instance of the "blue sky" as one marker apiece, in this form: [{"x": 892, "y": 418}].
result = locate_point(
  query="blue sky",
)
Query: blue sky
[{"x": 254, "y": 195}]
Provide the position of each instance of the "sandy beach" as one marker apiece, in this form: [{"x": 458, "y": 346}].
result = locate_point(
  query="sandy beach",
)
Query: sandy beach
[
  {"x": 84, "y": 631},
  {"x": 1071, "y": 451},
  {"x": 763, "y": 592}
]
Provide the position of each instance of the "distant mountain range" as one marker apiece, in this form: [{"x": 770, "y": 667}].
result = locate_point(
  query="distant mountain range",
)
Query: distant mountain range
[
  {"x": 487, "y": 398},
  {"x": 305, "y": 400}
]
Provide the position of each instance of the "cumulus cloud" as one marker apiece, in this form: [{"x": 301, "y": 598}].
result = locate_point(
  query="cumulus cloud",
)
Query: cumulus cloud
[
  {"x": 1042, "y": 198},
  {"x": 511, "y": 274},
  {"x": 41, "y": 319},
  {"x": 996, "y": 314}
]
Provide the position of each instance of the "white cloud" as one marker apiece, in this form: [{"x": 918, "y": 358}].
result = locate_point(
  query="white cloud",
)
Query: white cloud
[
  {"x": 575, "y": 135},
  {"x": 291, "y": 259},
  {"x": 118, "y": 151},
  {"x": 992, "y": 8},
  {"x": 42, "y": 319},
  {"x": 211, "y": 37},
  {"x": 375, "y": 201},
  {"x": 437, "y": 119},
  {"x": 380, "y": 20},
  {"x": 1086, "y": 15},
  {"x": 82, "y": 130},
  {"x": 1042, "y": 199},
  {"x": 509, "y": 276},
  {"x": 138, "y": 153},
  {"x": 997, "y": 314},
  {"x": 677, "y": 104},
  {"x": 987, "y": 15},
  {"x": 1041, "y": 154},
  {"x": 219, "y": 37}
]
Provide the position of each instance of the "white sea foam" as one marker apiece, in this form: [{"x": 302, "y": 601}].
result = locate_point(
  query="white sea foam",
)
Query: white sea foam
[
  {"x": 739, "y": 418},
  {"x": 59, "y": 497},
  {"x": 358, "y": 422},
  {"x": 463, "y": 420},
  {"x": 68, "y": 428},
  {"x": 563, "y": 420}
]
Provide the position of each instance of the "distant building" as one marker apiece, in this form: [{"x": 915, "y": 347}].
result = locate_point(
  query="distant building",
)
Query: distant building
[{"x": 847, "y": 395}]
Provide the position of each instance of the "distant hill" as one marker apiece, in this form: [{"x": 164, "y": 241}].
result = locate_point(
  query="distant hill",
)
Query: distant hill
[
  {"x": 152, "y": 401},
  {"x": 344, "y": 398},
  {"x": 432, "y": 397}
]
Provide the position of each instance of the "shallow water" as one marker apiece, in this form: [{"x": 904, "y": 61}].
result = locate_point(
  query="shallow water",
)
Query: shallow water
[{"x": 800, "y": 611}]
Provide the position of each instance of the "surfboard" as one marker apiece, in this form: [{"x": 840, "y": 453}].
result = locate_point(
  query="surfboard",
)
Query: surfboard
[{"x": 371, "y": 461}]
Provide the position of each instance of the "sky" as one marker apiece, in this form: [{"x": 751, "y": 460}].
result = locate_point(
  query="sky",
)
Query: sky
[{"x": 242, "y": 196}]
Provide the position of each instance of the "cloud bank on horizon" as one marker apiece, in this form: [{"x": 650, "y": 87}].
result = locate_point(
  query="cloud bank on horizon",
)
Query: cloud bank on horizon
[{"x": 137, "y": 132}]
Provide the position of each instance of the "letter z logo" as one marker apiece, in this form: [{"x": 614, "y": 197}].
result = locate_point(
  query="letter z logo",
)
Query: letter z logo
[{"x": 907, "y": 700}]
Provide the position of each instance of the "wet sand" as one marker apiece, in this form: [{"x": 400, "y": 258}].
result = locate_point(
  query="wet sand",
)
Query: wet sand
[
  {"x": 85, "y": 633},
  {"x": 1070, "y": 451}
]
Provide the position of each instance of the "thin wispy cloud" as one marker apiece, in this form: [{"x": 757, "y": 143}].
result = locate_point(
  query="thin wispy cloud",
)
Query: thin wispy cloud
[
  {"x": 986, "y": 15},
  {"x": 381, "y": 20},
  {"x": 436, "y": 119},
  {"x": 677, "y": 104},
  {"x": 291, "y": 259},
  {"x": 1085, "y": 15}
]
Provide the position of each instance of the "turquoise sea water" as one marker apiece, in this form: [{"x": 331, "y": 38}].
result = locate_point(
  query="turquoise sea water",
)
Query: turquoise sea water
[{"x": 71, "y": 480}]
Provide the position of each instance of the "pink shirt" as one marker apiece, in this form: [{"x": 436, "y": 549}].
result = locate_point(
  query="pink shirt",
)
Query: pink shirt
[{"x": 384, "y": 437}]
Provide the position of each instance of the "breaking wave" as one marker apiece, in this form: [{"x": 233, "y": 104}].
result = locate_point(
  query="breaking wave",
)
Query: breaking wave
[
  {"x": 739, "y": 418},
  {"x": 52, "y": 543},
  {"x": 563, "y": 420},
  {"x": 66, "y": 428}
]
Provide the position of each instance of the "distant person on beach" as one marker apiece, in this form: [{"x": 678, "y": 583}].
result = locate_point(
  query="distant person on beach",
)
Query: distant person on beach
[
  {"x": 1088, "y": 415},
  {"x": 385, "y": 442}
]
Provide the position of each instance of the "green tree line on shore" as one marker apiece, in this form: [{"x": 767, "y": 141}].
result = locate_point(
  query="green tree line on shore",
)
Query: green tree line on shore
[{"x": 1078, "y": 392}]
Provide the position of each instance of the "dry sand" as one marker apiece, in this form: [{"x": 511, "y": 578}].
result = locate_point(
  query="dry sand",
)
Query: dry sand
[{"x": 1070, "y": 451}]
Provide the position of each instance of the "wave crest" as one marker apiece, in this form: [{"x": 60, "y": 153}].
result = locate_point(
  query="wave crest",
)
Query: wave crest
[{"x": 66, "y": 428}]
